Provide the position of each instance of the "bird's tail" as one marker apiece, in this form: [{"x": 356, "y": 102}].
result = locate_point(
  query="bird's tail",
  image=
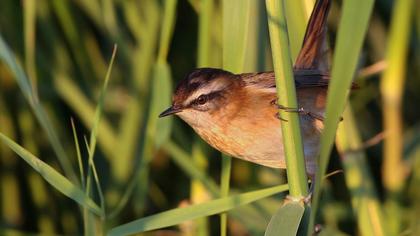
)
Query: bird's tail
[{"x": 314, "y": 52}]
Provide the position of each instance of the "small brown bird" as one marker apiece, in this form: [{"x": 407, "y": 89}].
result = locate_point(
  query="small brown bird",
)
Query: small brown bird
[{"x": 237, "y": 113}]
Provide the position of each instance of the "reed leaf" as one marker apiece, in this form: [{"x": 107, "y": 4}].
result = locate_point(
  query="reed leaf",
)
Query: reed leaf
[
  {"x": 286, "y": 220},
  {"x": 7, "y": 56},
  {"x": 55, "y": 179},
  {"x": 351, "y": 31},
  {"x": 176, "y": 216}
]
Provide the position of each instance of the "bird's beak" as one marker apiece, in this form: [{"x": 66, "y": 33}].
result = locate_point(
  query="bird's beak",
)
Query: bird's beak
[{"x": 170, "y": 111}]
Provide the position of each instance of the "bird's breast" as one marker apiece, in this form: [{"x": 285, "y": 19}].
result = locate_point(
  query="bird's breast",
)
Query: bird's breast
[{"x": 249, "y": 135}]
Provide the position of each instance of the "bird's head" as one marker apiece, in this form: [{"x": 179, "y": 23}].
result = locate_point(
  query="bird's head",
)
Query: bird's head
[{"x": 203, "y": 92}]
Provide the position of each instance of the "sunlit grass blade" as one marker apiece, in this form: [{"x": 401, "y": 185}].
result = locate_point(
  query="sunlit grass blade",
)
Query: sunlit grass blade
[
  {"x": 392, "y": 89},
  {"x": 351, "y": 31},
  {"x": 366, "y": 204},
  {"x": 286, "y": 220},
  {"x": 7, "y": 56},
  {"x": 204, "y": 33},
  {"x": 176, "y": 216},
  {"x": 235, "y": 31},
  {"x": 93, "y": 135},
  {"x": 392, "y": 86},
  {"x": 99, "y": 107},
  {"x": 58, "y": 181}
]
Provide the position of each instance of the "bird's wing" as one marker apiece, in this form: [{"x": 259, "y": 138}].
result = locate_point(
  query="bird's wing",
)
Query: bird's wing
[{"x": 303, "y": 79}]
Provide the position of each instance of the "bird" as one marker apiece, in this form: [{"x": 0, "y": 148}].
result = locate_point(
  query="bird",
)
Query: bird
[{"x": 237, "y": 114}]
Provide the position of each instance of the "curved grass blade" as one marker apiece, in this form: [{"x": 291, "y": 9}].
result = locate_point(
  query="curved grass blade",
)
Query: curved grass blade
[
  {"x": 7, "y": 56},
  {"x": 58, "y": 181},
  {"x": 78, "y": 153},
  {"x": 93, "y": 135},
  {"x": 176, "y": 216}
]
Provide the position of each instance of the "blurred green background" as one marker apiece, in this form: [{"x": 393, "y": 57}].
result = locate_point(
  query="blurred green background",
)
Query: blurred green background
[{"x": 146, "y": 165}]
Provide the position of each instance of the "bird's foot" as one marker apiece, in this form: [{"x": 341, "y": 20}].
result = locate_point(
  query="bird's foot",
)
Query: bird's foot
[{"x": 302, "y": 111}]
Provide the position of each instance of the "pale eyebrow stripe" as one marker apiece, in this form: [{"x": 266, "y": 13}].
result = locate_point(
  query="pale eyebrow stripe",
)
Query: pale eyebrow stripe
[{"x": 207, "y": 89}]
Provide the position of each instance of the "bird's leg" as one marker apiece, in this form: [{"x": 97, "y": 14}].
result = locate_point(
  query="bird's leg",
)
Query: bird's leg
[
  {"x": 301, "y": 111},
  {"x": 279, "y": 117},
  {"x": 274, "y": 102}
]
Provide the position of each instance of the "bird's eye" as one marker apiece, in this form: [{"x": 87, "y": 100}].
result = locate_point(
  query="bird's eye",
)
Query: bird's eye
[{"x": 202, "y": 99}]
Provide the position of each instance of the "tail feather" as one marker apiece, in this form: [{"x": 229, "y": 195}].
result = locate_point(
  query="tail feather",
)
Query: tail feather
[{"x": 314, "y": 52}]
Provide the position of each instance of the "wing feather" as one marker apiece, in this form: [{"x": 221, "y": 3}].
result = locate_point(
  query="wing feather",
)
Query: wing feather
[{"x": 303, "y": 79}]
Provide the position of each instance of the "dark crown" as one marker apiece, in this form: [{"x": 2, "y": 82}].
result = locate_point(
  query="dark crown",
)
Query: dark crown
[{"x": 197, "y": 79}]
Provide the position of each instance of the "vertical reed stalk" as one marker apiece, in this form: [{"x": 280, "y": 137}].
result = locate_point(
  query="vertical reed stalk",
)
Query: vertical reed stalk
[
  {"x": 286, "y": 91},
  {"x": 366, "y": 204},
  {"x": 392, "y": 86}
]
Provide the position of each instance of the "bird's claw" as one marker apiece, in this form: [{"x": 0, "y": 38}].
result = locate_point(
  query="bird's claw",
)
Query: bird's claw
[
  {"x": 279, "y": 117},
  {"x": 301, "y": 111}
]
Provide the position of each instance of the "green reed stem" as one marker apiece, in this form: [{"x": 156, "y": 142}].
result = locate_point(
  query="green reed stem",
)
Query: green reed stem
[{"x": 286, "y": 91}]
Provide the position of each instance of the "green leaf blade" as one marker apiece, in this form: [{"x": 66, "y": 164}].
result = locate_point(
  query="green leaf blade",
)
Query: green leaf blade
[
  {"x": 53, "y": 177},
  {"x": 286, "y": 220},
  {"x": 176, "y": 216}
]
